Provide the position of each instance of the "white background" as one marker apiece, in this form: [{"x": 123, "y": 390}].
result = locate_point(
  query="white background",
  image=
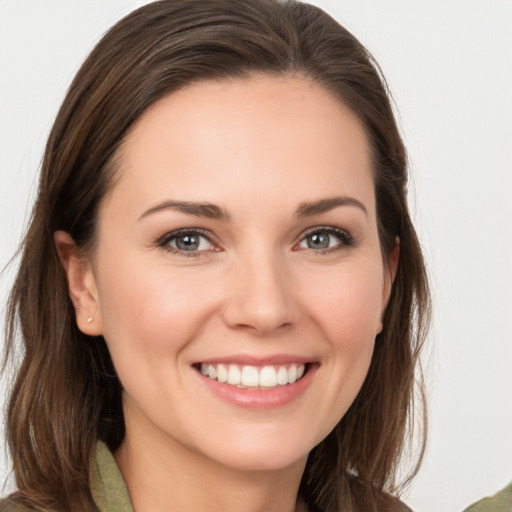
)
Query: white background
[{"x": 449, "y": 65}]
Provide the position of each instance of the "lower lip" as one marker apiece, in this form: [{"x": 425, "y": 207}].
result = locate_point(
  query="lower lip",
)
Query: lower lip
[{"x": 260, "y": 398}]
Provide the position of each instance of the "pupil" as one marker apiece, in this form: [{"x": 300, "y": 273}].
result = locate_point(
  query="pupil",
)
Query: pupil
[
  {"x": 187, "y": 243},
  {"x": 318, "y": 241}
]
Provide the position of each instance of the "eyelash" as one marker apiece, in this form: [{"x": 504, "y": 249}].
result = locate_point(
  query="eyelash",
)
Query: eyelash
[
  {"x": 345, "y": 238},
  {"x": 165, "y": 240}
]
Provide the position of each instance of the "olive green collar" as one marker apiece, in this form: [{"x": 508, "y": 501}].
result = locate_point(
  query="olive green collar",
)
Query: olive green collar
[{"x": 107, "y": 485}]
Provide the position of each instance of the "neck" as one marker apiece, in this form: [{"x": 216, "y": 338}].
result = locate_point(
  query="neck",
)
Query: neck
[{"x": 162, "y": 475}]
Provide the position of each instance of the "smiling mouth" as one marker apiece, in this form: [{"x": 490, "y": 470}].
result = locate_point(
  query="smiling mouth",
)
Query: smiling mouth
[{"x": 254, "y": 377}]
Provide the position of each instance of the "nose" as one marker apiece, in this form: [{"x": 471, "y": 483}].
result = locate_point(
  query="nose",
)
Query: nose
[{"x": 260, "y": 296}]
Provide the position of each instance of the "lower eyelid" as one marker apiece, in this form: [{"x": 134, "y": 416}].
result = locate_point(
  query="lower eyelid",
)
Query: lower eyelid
[
  {"x": 165, "y": 241},
  {"x": 202, "y": 241},
  {"x": 344, "y": 237},
  {"x": 345, "y": 240}
]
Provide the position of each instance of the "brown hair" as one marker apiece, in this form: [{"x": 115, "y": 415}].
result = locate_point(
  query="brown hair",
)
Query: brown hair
[{"x": 66, "y": 395}]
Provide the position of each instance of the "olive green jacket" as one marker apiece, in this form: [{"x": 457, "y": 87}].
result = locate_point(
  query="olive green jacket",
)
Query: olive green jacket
[
  {"x": 107, "y": 485},
  {"x": 500, "y": 502},
  {"x": 108, "y": 488}
]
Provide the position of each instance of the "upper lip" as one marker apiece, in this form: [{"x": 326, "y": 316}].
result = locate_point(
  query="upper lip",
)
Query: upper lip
[{"x": 257, "y": 360}]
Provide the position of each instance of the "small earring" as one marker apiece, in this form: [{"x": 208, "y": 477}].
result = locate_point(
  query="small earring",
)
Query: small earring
[{"x": 89, "y": 320}]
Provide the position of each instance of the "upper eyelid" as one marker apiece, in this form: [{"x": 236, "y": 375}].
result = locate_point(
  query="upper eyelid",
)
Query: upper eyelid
[
  {"x": 175, "y": 232},
  {"x": 214, "y": 239},
  {"x": 170, "y": 235},
  {"x": 329, "y": 229},
  {"x": 345, "y": 237},
  {"x": 321, "y": 227}
]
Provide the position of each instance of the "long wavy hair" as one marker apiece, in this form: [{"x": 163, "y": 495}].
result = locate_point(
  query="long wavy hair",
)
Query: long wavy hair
[{"x": 66, "y": 395}]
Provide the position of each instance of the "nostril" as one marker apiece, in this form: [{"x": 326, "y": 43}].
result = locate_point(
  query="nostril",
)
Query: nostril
[
  {"x": 259, "y": 296},
  {"x": 262, "y": 328}
]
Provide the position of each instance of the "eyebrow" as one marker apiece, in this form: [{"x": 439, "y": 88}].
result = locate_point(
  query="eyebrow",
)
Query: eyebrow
[
  {"x": 212, "y": 211},
  {"x": 207, "y": 210},
  {"x": 324, "y": 205}
]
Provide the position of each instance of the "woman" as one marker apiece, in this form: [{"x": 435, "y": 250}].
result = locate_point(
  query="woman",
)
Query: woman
[{"x": 221, "y": 295}]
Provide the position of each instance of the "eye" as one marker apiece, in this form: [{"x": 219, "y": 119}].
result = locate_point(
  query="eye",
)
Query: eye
[
  {"x": 325, "y": 239},
  {"x": 190, "y": 241}
]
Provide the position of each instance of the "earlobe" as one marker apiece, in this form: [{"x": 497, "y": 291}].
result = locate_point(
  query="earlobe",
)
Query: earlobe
[{"x": 81, "y": 284}]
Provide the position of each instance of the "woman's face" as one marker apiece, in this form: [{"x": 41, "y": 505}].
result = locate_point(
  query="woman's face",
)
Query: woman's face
[{"x": 240, "y": 242}]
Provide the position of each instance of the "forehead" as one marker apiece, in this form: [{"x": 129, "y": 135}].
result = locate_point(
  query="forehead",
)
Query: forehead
[{"x": 257, "y": 137}]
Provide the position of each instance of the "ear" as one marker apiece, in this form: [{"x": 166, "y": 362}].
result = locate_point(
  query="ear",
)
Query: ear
[
  {"x": 81, "y": 284},
  {"x": 389, "y": 276},
  {"x": 393, "y": 265}
]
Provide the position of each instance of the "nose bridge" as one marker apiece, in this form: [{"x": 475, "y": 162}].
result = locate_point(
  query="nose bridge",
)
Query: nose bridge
[{"x": 261, "y": 296}]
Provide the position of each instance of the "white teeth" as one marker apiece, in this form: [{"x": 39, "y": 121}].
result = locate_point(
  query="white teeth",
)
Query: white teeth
[
  {"x": 268, "y": 377},
  {"x": 250, "y": 377},
  {"x": 282, "y": 376},
  {"x": 253, "y": 376},
  {"x": 234, "y": 376},
  {"x": 222, "y": 373},
  {"x": 292, "y": 374}
]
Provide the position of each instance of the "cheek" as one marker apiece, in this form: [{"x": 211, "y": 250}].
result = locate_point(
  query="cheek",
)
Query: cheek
[
  {"x": 149, "y": 307},
  {"x": 349, "y": 306},
  {"x": 346, "y": 308}
]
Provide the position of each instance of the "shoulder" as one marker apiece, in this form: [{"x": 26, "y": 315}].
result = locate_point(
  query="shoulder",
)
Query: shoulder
[{"x": 500, "y": 502}]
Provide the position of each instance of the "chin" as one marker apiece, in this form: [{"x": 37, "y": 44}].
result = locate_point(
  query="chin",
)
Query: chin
[
  {"x": 260, "y": 452},
  {"x": 263, "y": 461}
]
